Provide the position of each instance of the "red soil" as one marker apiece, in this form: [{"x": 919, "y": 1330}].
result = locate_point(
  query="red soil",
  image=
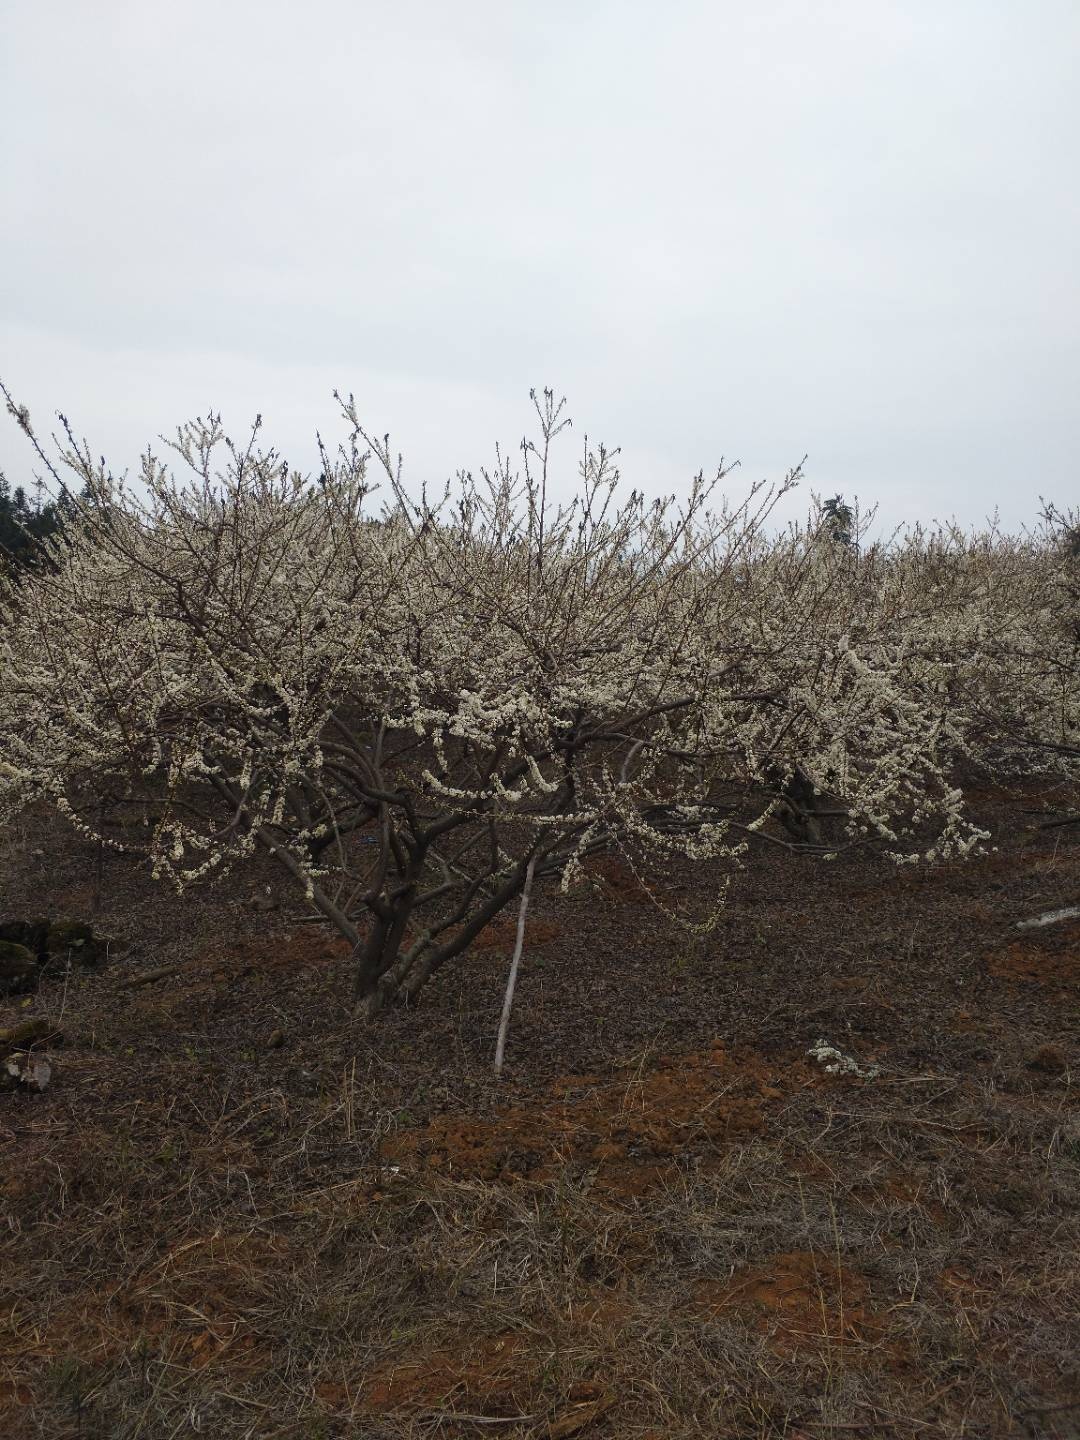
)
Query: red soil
[{"x": 628, "y": 1127}]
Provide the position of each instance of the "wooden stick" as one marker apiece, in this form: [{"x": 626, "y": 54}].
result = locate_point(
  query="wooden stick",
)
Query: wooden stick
[{"x": 508, "y": 1002}]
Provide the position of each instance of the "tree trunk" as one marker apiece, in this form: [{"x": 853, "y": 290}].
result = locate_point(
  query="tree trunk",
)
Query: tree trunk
[
  {"x": 406, "y": 974},
  {"x": 799, "y": 812},
  {"x": 380, "y": 951}
]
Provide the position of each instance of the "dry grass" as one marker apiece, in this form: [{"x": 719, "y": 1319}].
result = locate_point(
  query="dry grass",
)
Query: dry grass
[{"x": 359, "y": 1234}]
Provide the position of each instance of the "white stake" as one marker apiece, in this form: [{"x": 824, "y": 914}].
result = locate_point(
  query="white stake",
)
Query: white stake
[{"x": 508, "y": 1002}]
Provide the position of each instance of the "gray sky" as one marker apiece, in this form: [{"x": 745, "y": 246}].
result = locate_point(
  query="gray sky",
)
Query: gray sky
[{"x": 750, "y": 230}]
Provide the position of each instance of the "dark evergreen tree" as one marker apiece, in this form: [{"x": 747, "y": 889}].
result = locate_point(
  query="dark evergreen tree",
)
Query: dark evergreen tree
[
  {"x": 25, "y": 523},
  {"x": 840, "y": 520}
]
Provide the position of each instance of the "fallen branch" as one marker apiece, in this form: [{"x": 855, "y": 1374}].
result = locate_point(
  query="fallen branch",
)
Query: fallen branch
[
  {"x": 798, "y": 847},
  {"x": 1052, "y": 917},
  {"x": 1062, "y": 820},
  {"x": 460, "y": 1417},
  {"x": 147, "y": 977}
]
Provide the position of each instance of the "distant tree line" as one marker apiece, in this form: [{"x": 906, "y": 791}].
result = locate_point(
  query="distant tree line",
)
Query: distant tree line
[{"x": 26, "y": 523}]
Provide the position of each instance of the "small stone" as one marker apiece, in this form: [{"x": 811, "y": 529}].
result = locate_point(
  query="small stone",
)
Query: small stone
[
  {"x": 1014, "y": 1200},
  {"x": 1050, "y": 1059},
  {"x": 71, "y": 938},
  {"x": 18, "y": 966},
  {"x": 29, "y": 1069}
]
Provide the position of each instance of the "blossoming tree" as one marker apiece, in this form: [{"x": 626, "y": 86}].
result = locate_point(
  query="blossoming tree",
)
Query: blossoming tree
[{"x": 412, "y": 712}]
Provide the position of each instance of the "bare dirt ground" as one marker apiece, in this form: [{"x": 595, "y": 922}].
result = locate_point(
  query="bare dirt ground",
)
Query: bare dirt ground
[{"x": 238, "y": 1210}]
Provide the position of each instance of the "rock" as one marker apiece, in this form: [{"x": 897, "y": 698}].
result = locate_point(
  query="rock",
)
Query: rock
[
  {"x": 56, "y": 941},
  {"x": 1050, "y": 1059},
  {"x": 265, "y": 902},
  {"x": 24, "y": 1067},
  {"x": 26, "y": 1031},
  {"x": 20, "y": 1066},
  {"x": 71, "y": 938},
  {"x": 1014, "y": 1200},
  {"x": 31, "y": 933},
  {"x": 18, "y": 967}
]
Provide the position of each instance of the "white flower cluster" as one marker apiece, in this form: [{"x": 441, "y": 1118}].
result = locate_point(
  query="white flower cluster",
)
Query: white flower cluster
[{"x": 836, "y": 1062}]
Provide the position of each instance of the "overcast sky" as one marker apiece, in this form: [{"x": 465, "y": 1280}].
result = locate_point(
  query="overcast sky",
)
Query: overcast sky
[{"x": 749, "y": 231}]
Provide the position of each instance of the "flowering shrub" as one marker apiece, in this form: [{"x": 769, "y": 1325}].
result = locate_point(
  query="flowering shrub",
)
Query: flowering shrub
[{"x": 407, "y": 709}]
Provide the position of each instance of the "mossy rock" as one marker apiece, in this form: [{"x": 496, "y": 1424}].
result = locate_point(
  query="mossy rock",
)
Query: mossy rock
[
  {"x": 73, "y": 938},
  {"x": 31, "y": 933},
  {"x": 18, "y": 967},
  {"x": 55, "y": 942}
]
